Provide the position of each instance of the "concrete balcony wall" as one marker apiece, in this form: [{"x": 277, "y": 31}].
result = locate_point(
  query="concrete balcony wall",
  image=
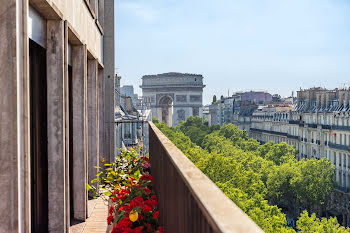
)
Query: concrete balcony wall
[{"x": 190, "y": 201}]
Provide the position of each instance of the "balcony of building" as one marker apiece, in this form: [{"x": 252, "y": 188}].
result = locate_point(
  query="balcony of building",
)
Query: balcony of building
[
  {"x": 338, "y": 146},
  {"x": 188, "y": 200}
]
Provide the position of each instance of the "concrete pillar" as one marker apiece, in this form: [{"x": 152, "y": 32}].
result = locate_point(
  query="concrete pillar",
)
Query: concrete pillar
[
  {"x": 66, "y": 109},
  {"x": 101, "y": 109},
  {"x": 101, "y": 11},
  {"x": 14, "y": 118},
  {"x": 108, "y": 51},
  {"x": 80, "y": 130},
  {"x": 93, "y": 131},
  {"x": 56, "y": 125}
]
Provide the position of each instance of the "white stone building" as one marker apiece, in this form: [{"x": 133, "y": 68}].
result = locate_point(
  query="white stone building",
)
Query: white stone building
[{"x": 319, "y": 126}]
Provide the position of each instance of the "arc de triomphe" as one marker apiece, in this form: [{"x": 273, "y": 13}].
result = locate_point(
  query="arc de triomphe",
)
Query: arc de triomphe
[{"x": 173, "y": 96}]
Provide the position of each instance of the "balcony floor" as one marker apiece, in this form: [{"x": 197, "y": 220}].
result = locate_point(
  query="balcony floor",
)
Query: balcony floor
[{"x": 97, "y": 220}]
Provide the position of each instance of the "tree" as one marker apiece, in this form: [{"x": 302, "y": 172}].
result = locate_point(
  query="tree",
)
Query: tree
[
  {"x": 251, "y": 174},
  {"x": 276, "y": 98},
  {"x": 306, "y": 224},
  {"x": 280, "y": 153},
  {"x": 214, "y": 99},
  {"x": 314, "y": 181},
  {"x": 279, "y": 187}
]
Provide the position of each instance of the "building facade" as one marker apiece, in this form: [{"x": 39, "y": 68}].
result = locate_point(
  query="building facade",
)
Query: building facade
[
  {"x": 173, "y": 97},
  {"x": 57, "y": 87},
  {"x": 318, "y": 127},
  {"x": 237, "y": 109}
]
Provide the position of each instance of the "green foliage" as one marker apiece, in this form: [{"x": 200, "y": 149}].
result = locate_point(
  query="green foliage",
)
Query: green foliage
[
  {"x": 254, "y": 175},
  {"x": 307, "y": 224},
  {"x": 155, "y": 120},
  {"x": 313, "y": 181},
  {"x": 280, "y": 153},
  {"x": 279, "y": 187}
]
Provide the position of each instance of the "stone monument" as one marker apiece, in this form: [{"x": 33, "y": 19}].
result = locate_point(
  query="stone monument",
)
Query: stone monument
[{"x": 173, "y": 97}]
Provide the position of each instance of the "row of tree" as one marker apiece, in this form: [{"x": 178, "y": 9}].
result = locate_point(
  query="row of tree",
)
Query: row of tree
[{"x": 262, "y": 180}]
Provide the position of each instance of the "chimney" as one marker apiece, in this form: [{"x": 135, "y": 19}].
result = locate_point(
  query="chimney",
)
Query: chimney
[
  {"x": 328, "y": 101},
  {"x": 308, "y": 98},
  {"x": 341, "y": 97},
  {"x": 346, "y": 98},
  {"x": 323, "y": 99},
  {"x": 318, "y": 99}
]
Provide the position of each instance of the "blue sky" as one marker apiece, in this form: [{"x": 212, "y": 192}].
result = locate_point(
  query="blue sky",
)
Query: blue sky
[{"x": 272, "y": 45}]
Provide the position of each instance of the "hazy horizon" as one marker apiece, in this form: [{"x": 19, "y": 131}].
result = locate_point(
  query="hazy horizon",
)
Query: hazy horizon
[{"x": 261, "y": 45}]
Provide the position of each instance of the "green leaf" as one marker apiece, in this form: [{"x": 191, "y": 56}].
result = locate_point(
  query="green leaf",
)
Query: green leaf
[
  {"x": 98, "y": 173},
  {"x": 94, "y": 180}
]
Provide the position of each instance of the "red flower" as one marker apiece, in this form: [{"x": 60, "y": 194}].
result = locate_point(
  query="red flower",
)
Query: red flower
[
  {"x": 125, "y": 222},
  {"x": 123, "y": 208},
  {"x": 121, "y": 229},
  {"x": 154, "y": 197},
  {"x": 146, "y": 209},
  {"x": 148, "y": 227},
  {"x": 111, "y": 209},
  {"x": 160, "y": 230},
  {"x": 147, "y": 190},
  {"x": 154, "y": 203},
  {"x": 110, "y": 219},
  {"x": 138, "y": 230},
  {"x": 140, "y": 217},
  {"x": 156, "y": 214}
]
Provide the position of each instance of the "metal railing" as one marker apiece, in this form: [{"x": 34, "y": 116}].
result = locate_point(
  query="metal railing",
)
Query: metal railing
[
  {"x": 269, "y": 131},
  {"x": 294, "y": 122},
  {"x": 338, "y": 146},
  {"x": 341, "y": 127},
  {"x": 293, "y": 136},
  {"x": 189, "y": 202}
]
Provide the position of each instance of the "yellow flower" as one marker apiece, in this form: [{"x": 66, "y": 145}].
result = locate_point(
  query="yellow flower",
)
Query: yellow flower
[
  {"x": 133, "y": 216},
  {"x": 117, "y": 188}
]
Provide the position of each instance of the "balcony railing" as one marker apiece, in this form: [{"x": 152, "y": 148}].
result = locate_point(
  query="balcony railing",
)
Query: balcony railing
[
  {"x": 294, "y": 122},
  {"x": 293, "y": 136},
  {"x": 312, "y": 126},
  {"x": 338, "y": 146},
  {"x": 269, "y": 131},
  {"x": 326, "y": 126},
  {"x": 341, "y": 127},
  {"x": 190, "y": 201}
]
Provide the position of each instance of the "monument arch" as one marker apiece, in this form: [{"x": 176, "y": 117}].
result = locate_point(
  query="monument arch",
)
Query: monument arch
[{"x": 173, "y": 97}]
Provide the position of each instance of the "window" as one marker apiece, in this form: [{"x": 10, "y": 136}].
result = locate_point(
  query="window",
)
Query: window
[
  {"x": 344, "y": 160},
  {"x": 345, "y": 141},
  {"x": 339, "y": 160},
  {"x": 335, "y": 158},
  {"x": 341, "y": 139}
]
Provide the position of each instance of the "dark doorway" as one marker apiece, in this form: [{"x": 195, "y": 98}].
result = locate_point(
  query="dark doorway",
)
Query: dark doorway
[
  {"x": 71, "y": 170},
  {"x": 38, "y": 140}
]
